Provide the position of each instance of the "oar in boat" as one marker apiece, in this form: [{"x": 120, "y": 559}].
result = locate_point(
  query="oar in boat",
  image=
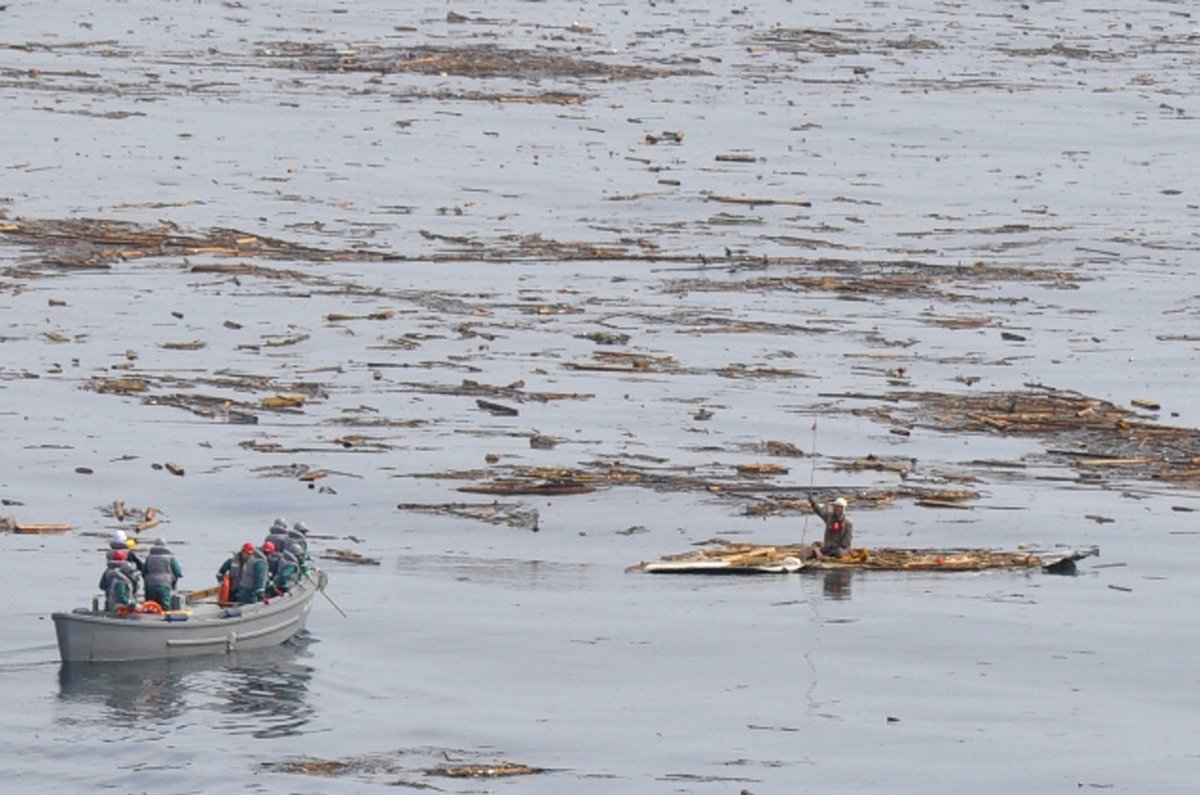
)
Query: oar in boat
[
  {"x": 207, "y": 593},
  {"x": 321, "y": 588}
]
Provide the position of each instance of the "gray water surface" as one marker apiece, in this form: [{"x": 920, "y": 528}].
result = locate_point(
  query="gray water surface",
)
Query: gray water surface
[{"x": 1049, "y": 139}]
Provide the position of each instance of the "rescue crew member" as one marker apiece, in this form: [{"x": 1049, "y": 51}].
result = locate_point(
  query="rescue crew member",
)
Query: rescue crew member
[
  {"x": 116, "y": 559},
  {"x": 277, "y": 535},
  {"x": 120, "y": 589},
  {"x": 298, "y": 544},
  {"x": 233, "y": 568},
  {"x": 119, "y": 541},
  {"x": 252, "y": 581},
  {"x": 284, "y": 568},
  {"x": 162, "y": 573}
]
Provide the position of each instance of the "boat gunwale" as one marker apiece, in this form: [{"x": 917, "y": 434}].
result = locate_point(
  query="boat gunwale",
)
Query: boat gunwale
[
  {"x": 219, "y": 615},
  {"x": 220, "y": 627}
]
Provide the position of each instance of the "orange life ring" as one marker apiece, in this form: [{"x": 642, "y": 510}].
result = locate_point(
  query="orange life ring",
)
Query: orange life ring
[{"x": 151, "y": 607}]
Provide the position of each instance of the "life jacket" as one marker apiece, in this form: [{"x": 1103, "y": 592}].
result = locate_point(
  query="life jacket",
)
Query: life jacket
[
  {"x": 836, "y": 525},
  {"x": 120, "y": 590},
  {"x": 299, "y": 541},
  {"x": 106, "y": 577},
  {"x": 279, "y": 538},
  {"x": 287, "y": 571},
  {"x": 159, "y": 570},
  {"x": 253, "y": 575},
  {"x": 134, "y": 574},
  {"x": 234, "y": 567}
]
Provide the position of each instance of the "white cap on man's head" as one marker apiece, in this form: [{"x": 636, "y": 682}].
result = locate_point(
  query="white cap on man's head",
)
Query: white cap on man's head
[{"x": 840, "y": 501}]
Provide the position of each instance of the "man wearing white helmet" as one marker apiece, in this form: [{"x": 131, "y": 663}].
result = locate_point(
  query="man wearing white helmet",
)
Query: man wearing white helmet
[{"x": 839, "y": 528}]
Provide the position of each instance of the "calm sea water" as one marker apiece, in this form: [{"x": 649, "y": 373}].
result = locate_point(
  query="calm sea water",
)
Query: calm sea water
[{"x": 1047, "y": 136}]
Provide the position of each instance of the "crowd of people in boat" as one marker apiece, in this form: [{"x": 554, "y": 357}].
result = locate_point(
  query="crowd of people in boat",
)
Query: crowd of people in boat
[{"x": 251, "y": 574}]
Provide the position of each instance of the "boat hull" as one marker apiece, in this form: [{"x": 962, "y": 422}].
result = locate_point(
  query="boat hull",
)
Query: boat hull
[{"x": 95, "y": 636}]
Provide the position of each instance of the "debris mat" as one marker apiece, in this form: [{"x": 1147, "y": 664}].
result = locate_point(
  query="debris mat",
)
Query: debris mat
[{"x": 731, "y": 557}]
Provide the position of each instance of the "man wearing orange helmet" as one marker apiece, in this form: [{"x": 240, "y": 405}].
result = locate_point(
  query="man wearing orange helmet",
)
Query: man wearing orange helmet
[
  {"x": 252, "y": 580},
  {"x": 119, "y": 591},
  {"x": 232, "y": 568},
  {"x": 284, "y": 568}
]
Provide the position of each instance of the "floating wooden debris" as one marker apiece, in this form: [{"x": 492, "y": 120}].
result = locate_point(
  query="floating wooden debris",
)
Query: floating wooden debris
[
  {"x": 752, "y": 202},
  {"x": 783, "y": 449},
  {"x": 871, "y": 462},
  {"x": 514, "y": 488},
  {"x": 78, "y": 243},
  {"x": 151, "y": 520},
  {"x": 933, "y": 502},
  {"x": 349, "y": 556},
  {"x": 486, "y": 771},
  {"x": 191, "y": 345},
  {"x": 475, "y": 60},
  {"x": 775, "y": 559},
  {"x": 508, "y": 513},
  {"x": 542, "y": 442},
  {"x": 142, "y": 519},
  {"x": 667, "y": 137},
  {"x": 762, "y": 469},
  {"x": 544, "y": 98},
  {"x": 613, "y": 362},
  {"x": 121, "y": 386},
  {"x": 282, "y": 340},
  {"x": 313, "y": 767},
  {"x": 498, "y": 409},
  {"x": 30, "y": 528},
  {"x": 290, "y": 401},
  {"x": 390, "y": 764},
  {"x": 468, "y": 388},
  {"x": 336, "y": 317},
  {"x": 1109, "y": 462}
]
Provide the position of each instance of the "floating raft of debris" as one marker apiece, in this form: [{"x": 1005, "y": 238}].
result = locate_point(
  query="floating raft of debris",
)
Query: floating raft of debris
[{"x": 764, "y": 559}]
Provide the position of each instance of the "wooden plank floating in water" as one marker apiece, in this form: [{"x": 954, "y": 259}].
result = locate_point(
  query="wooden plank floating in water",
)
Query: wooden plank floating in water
[
  {"x": 349, "y": 556},
  {"x": 27, "y": 528}
]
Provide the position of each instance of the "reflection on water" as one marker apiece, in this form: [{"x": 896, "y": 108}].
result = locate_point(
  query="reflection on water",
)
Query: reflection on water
[
  {"x": 836, "y": 584},
  {"x": 506, "y": 572},
  {"x": 263, "y": 693},
  {"x": 132, "y": 693}
]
